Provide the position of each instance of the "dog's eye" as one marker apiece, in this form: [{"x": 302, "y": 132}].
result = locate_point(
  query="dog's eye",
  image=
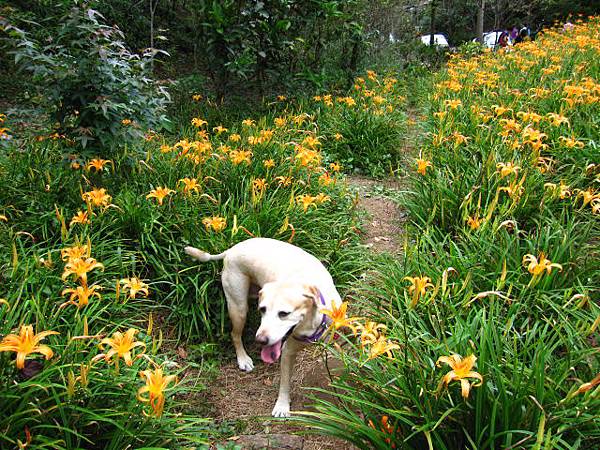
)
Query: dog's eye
[
  {"x": 283, "y": 314},
  {"x": 262, "y": 309}
]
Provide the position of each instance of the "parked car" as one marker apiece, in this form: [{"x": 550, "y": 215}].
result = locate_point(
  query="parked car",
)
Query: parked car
[
  {"x": 491, "y": 39},
  {"x": 439, "y": 40}
]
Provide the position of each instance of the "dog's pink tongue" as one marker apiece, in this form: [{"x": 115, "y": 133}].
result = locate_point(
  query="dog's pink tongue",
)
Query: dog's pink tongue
[{"x": 271, "y": 353}]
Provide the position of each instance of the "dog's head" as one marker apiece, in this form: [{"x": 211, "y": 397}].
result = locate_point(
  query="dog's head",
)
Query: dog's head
[{"x": 283, "y": 306}]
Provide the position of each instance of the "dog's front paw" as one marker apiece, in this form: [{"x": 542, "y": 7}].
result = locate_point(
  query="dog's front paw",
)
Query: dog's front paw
[
  {"x": 245, "y": 363},
  {"x": 281, "y": 410}
]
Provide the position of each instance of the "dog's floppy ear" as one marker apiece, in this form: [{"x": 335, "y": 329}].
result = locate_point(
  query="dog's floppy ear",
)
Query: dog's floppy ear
[{"x": 312, "y": 293}]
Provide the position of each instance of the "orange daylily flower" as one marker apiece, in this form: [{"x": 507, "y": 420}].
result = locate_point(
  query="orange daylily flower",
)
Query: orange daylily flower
[
  {"x": 26, "y": 343},
  {"x": 537, "y": 266},
  {"x": 382, "y": 346},
  {"x": 97, "y": 197},
  {"x": 121, "y": 346},
  {"x": 159, "y": 194},
  {"x": 156, "y": 383},
  {"x": 189, "y": 185},
  {"x": 81, "y": 217},
  {"x": 422, "y": 165},
  {"x": 370, "y": 332},
  {"x": 80, "y": 268},
  {"x": 97, "y": 164},
  {"x": 81, "y": 295},
  {"x": 337, "y": 314},
  {"x": 75, "y": 252}
]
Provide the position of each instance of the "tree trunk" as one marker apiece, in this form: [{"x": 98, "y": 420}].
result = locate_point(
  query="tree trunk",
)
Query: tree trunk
[
  {"x": 432, "y": 24},
  {"x": 480, "y": 12},
  {"x": 153, "y": 4}
]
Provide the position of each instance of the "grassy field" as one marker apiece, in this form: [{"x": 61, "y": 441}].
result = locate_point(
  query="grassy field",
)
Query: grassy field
[{"x": 485, "y": 334}]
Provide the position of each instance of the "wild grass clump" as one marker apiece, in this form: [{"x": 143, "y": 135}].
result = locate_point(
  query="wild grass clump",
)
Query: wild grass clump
[
  {"x": 486, "y": 334},
  {"x": 364, "y": 128}
]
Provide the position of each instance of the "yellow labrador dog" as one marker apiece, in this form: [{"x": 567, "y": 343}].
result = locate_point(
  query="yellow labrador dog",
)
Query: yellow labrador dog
[{"x": 294, "y": 287}]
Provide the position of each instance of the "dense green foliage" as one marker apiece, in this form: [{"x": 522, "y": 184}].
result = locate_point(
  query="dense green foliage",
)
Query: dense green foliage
[{"x": 89, "y": 82}]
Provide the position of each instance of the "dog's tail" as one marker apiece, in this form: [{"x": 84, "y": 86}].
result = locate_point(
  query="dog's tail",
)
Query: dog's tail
[{"x": 203, "y": 256}]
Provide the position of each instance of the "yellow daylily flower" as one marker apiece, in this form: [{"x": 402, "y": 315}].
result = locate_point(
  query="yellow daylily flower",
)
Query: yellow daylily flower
[
  {"x": 500, "y": 110},
  {"x": 235, "y": 137},
  {"x": 215, "y": 223},
  {"x": 248, "y": 122},
  {"x": 159, "y": 194},
  {"x": 571, "y": 142},
  {"x": 196, "y": 97},
  {"x": 461, "y": 370},
  {"x": 80, "y": 268},
  {"x": 134, "y": 285},
  {"x": 81, "y": 295},
  {"x": 26, "y": 343},
  {"x": 562, "y": 190},
  {"x": 537, "y": 266},
  {"x": 156, "y": 384},
  {"x": 259, "y": 187},
  {"x": 121, "y": 345},
  {"x": 418, "y": 288},
  {"x": 588, "y": 196},
  {"x": 284, "y": 181},
  {"x": 557, "y": 120},
  {"x": 3, "y": 218},
  {"x": 382, "y": 346},
  {"x": 219, "y": 129},
  {"x": 269, "y": 163}
]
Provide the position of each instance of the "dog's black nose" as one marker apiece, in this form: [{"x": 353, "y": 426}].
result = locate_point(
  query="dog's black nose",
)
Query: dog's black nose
[{"x": 262, "y": 340}]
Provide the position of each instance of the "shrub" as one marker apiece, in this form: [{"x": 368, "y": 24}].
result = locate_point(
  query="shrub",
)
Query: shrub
[
  {"x": 363, "y": 129},
  {"x": 97, "y": 92}
]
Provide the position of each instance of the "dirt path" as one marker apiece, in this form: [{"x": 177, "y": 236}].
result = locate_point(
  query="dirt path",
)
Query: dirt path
[{"x": 244, "y": 401}]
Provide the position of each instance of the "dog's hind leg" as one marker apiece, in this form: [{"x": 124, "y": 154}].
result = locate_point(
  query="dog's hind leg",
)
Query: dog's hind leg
[{"x": 235, "y": 286}]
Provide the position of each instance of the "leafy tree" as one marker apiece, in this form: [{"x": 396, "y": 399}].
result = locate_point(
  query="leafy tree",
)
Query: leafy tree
[{"x": 89, "y": 81}]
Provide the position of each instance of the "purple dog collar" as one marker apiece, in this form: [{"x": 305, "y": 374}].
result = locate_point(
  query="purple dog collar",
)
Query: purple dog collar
[{"x": 320, "y": 330}]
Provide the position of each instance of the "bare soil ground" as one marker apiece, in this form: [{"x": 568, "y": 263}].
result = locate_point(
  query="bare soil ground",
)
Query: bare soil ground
[{"x": 249, "y": 397}]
